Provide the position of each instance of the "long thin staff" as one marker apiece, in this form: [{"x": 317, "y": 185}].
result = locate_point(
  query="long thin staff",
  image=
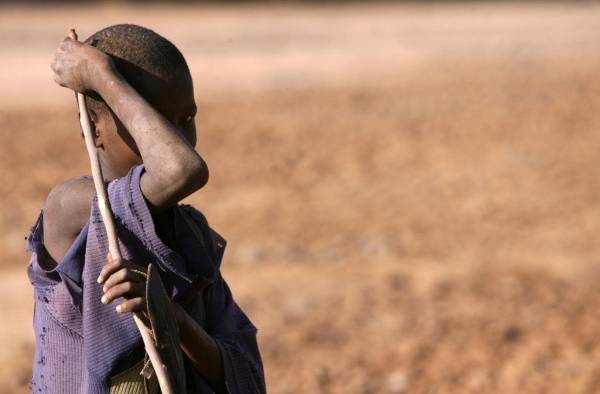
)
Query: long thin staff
[{"x": 113, "y": 242}]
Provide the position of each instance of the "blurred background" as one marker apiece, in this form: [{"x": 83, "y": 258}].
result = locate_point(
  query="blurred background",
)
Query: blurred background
[{"x": 409, "y": 190}]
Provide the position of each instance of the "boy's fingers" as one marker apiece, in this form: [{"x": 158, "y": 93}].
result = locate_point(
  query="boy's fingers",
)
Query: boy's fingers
[
  {"x": 127, "y": 290},
  {"x": 69, "y": 42},
  {"x": 122, "y": 275},
  {"x": 115, "y": 265},
  {"x": 133, "y": 305},
  {"x": 110, "y": 268}
]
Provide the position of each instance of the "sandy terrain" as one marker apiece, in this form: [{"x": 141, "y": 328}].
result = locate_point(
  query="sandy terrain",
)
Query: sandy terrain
[{"x": 409, "y": 191}]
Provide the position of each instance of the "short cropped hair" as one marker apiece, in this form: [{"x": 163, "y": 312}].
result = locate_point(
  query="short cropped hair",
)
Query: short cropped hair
[{"x": 141, "y": 56}]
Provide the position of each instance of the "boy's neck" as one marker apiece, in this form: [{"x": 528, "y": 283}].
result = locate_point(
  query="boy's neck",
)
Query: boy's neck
[{"x": 107, "y": 172}]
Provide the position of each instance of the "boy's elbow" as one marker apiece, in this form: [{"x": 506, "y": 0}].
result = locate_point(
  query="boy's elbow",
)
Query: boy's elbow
[
  {"x": 191, "y": 173},
  {"x": 173, "y": 181},
  {"x": 196, "y": 174}
]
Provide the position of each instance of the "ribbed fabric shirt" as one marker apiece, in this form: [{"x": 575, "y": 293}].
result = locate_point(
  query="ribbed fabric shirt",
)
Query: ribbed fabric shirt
[{"x": 79, "y": 341}]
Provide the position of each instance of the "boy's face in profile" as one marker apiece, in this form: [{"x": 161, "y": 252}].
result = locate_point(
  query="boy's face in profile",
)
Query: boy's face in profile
[{"x": 174, "y": 100}]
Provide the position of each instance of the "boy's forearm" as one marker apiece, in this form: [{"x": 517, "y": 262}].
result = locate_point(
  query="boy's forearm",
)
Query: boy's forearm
[
  {"x": 201, "y": 349},
  {"x": 173, "y": 167}
]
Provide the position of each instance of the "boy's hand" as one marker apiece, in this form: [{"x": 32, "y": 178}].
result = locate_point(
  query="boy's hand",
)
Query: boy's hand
[
  {"x": 77, "y": 66},
  {"x": 124, "y": 279}
]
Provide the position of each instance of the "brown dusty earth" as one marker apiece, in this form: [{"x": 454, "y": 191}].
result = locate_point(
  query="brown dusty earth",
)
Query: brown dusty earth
[{"x": 410, "y": 192}]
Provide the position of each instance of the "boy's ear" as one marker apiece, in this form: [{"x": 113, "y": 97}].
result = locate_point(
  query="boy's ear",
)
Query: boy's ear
[{"x": 93, "y": 115}]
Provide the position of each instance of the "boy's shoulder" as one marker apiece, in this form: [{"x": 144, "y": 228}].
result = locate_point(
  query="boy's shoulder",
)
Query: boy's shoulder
[{"x": 66, "y": 211}]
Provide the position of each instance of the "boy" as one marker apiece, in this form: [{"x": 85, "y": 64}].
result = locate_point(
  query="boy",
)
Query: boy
[{"x": 141, "y": 105}]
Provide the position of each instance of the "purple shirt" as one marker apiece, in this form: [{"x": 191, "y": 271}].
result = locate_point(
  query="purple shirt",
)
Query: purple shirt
[{"x": 79, "y": 340}]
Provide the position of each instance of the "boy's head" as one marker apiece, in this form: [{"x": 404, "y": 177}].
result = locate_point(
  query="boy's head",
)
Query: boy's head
[{"x": 157, "y": 70}]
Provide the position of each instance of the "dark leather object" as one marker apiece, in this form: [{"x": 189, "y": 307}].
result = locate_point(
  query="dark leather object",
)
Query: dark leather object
[{"x": 165, "y": 330}]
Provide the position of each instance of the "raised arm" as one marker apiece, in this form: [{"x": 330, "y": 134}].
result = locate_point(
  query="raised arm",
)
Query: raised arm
[{"x": 173, "y": 169}]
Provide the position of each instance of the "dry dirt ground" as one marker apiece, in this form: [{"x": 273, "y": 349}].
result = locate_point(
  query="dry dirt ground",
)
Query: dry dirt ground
[{"x": 410, "y": 192}]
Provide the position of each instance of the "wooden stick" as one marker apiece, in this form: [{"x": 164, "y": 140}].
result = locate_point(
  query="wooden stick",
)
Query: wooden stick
[{"x": 113, "y": 242}]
